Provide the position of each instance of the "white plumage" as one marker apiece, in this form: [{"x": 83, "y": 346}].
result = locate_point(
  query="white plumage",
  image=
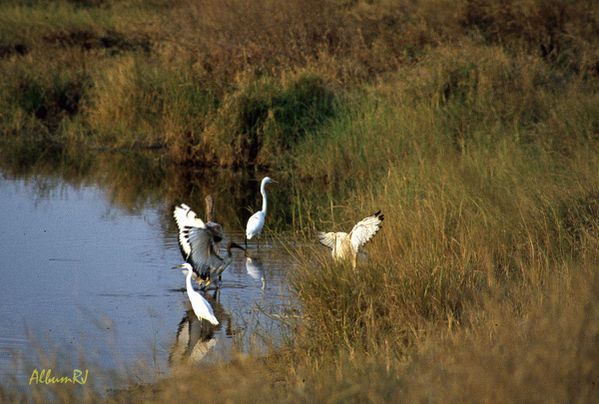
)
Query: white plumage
[
  {"x": 255, "y": 224},
  {"x": 256, "y": 221},
  {"x": 200, "y": 306},
  {"x": 345, "y": 246}
]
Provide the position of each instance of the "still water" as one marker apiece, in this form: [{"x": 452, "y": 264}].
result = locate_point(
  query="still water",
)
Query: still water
[{"x": 85, "y": 279}]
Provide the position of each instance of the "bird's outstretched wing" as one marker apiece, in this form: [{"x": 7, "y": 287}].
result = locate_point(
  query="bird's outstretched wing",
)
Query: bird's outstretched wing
[
  {"x": 365, "y": 229},
  {"x": 217, "y": 231},
  {"x": 197, "y": 239},
  {"x": 201, "y": 255},
  {"x": 186, "y": 219},
  {"x": 328, "y": 239}
]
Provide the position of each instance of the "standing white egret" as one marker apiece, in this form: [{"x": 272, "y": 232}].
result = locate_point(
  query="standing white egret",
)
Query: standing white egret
[
  {"x": 200, "y": 306},
  {"x": 256, "y": 221},
  {"x": 345, "y": 246},
  {"x": 198, "y": 242}
]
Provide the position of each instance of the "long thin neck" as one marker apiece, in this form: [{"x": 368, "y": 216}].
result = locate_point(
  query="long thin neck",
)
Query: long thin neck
[
  {"x": 263, "y": 192},
  {"x": 188, "y": 280}
]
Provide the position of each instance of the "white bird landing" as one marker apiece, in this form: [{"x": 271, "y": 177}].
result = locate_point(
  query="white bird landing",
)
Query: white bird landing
[
  {"x": 200, "y": 306},
  {"x": 345, "y": 246},
  {"x": 198, "y": 242},
  {"x": 256, "y": 221}
]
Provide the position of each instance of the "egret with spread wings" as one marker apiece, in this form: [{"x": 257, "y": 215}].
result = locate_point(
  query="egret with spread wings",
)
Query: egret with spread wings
[{"x": 345, "y": 246}]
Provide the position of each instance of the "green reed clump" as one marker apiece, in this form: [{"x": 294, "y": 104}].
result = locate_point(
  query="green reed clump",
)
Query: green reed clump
[
  {"x": 302, "y": 106},
  {"x": 51, "y": 99},
  {"x": 136, "y": 103},
  {"x": 42, "y": 101},
  {"x": 479, "y": 98},
  {"x": 265, "y": 118}
]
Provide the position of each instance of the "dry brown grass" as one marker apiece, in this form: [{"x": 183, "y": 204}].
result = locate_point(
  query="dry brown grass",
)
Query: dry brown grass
[
  {"x": 473, "y": 125},
  {"x": 178, "y": 74}
]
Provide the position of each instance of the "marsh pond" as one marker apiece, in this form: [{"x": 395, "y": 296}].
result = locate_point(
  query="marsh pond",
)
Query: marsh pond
[{"x": 87, "y": 276}]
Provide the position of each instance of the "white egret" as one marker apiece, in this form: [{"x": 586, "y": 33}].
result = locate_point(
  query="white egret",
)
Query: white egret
[
  {"x": 256, "y": 221},
  {"x": 200, "y": 306},
  {"x": 198, "y": 242},
  {"x": 345, "y": 246}
]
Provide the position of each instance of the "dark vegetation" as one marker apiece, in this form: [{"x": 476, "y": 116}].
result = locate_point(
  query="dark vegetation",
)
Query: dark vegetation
[{"x": 473, "y": 125}]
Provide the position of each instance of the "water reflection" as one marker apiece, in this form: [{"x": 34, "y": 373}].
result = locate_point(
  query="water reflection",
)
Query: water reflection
[
  {"x": 196, "y": 338},
  {"x": 132, "y": 180},
  {"x": 255, "y": 270},
  {"x": 104, "y": 250}
]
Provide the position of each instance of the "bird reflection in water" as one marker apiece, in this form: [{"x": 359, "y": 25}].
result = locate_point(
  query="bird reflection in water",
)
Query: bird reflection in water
[
  {"x": 255, "y": 269},
  {"x": 196, "y": 338}
]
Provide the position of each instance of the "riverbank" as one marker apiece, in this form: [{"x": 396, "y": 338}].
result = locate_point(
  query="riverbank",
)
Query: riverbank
[{"x": 473, "y": 126}]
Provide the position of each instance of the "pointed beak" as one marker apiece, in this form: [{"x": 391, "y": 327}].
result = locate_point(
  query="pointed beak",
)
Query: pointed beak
[
  {"x": 180, "y": 266},
  {"x": 235, "y": 245}
]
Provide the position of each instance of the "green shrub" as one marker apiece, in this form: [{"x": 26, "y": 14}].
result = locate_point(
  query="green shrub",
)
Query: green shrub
[{"x": 264, "y": 119}]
